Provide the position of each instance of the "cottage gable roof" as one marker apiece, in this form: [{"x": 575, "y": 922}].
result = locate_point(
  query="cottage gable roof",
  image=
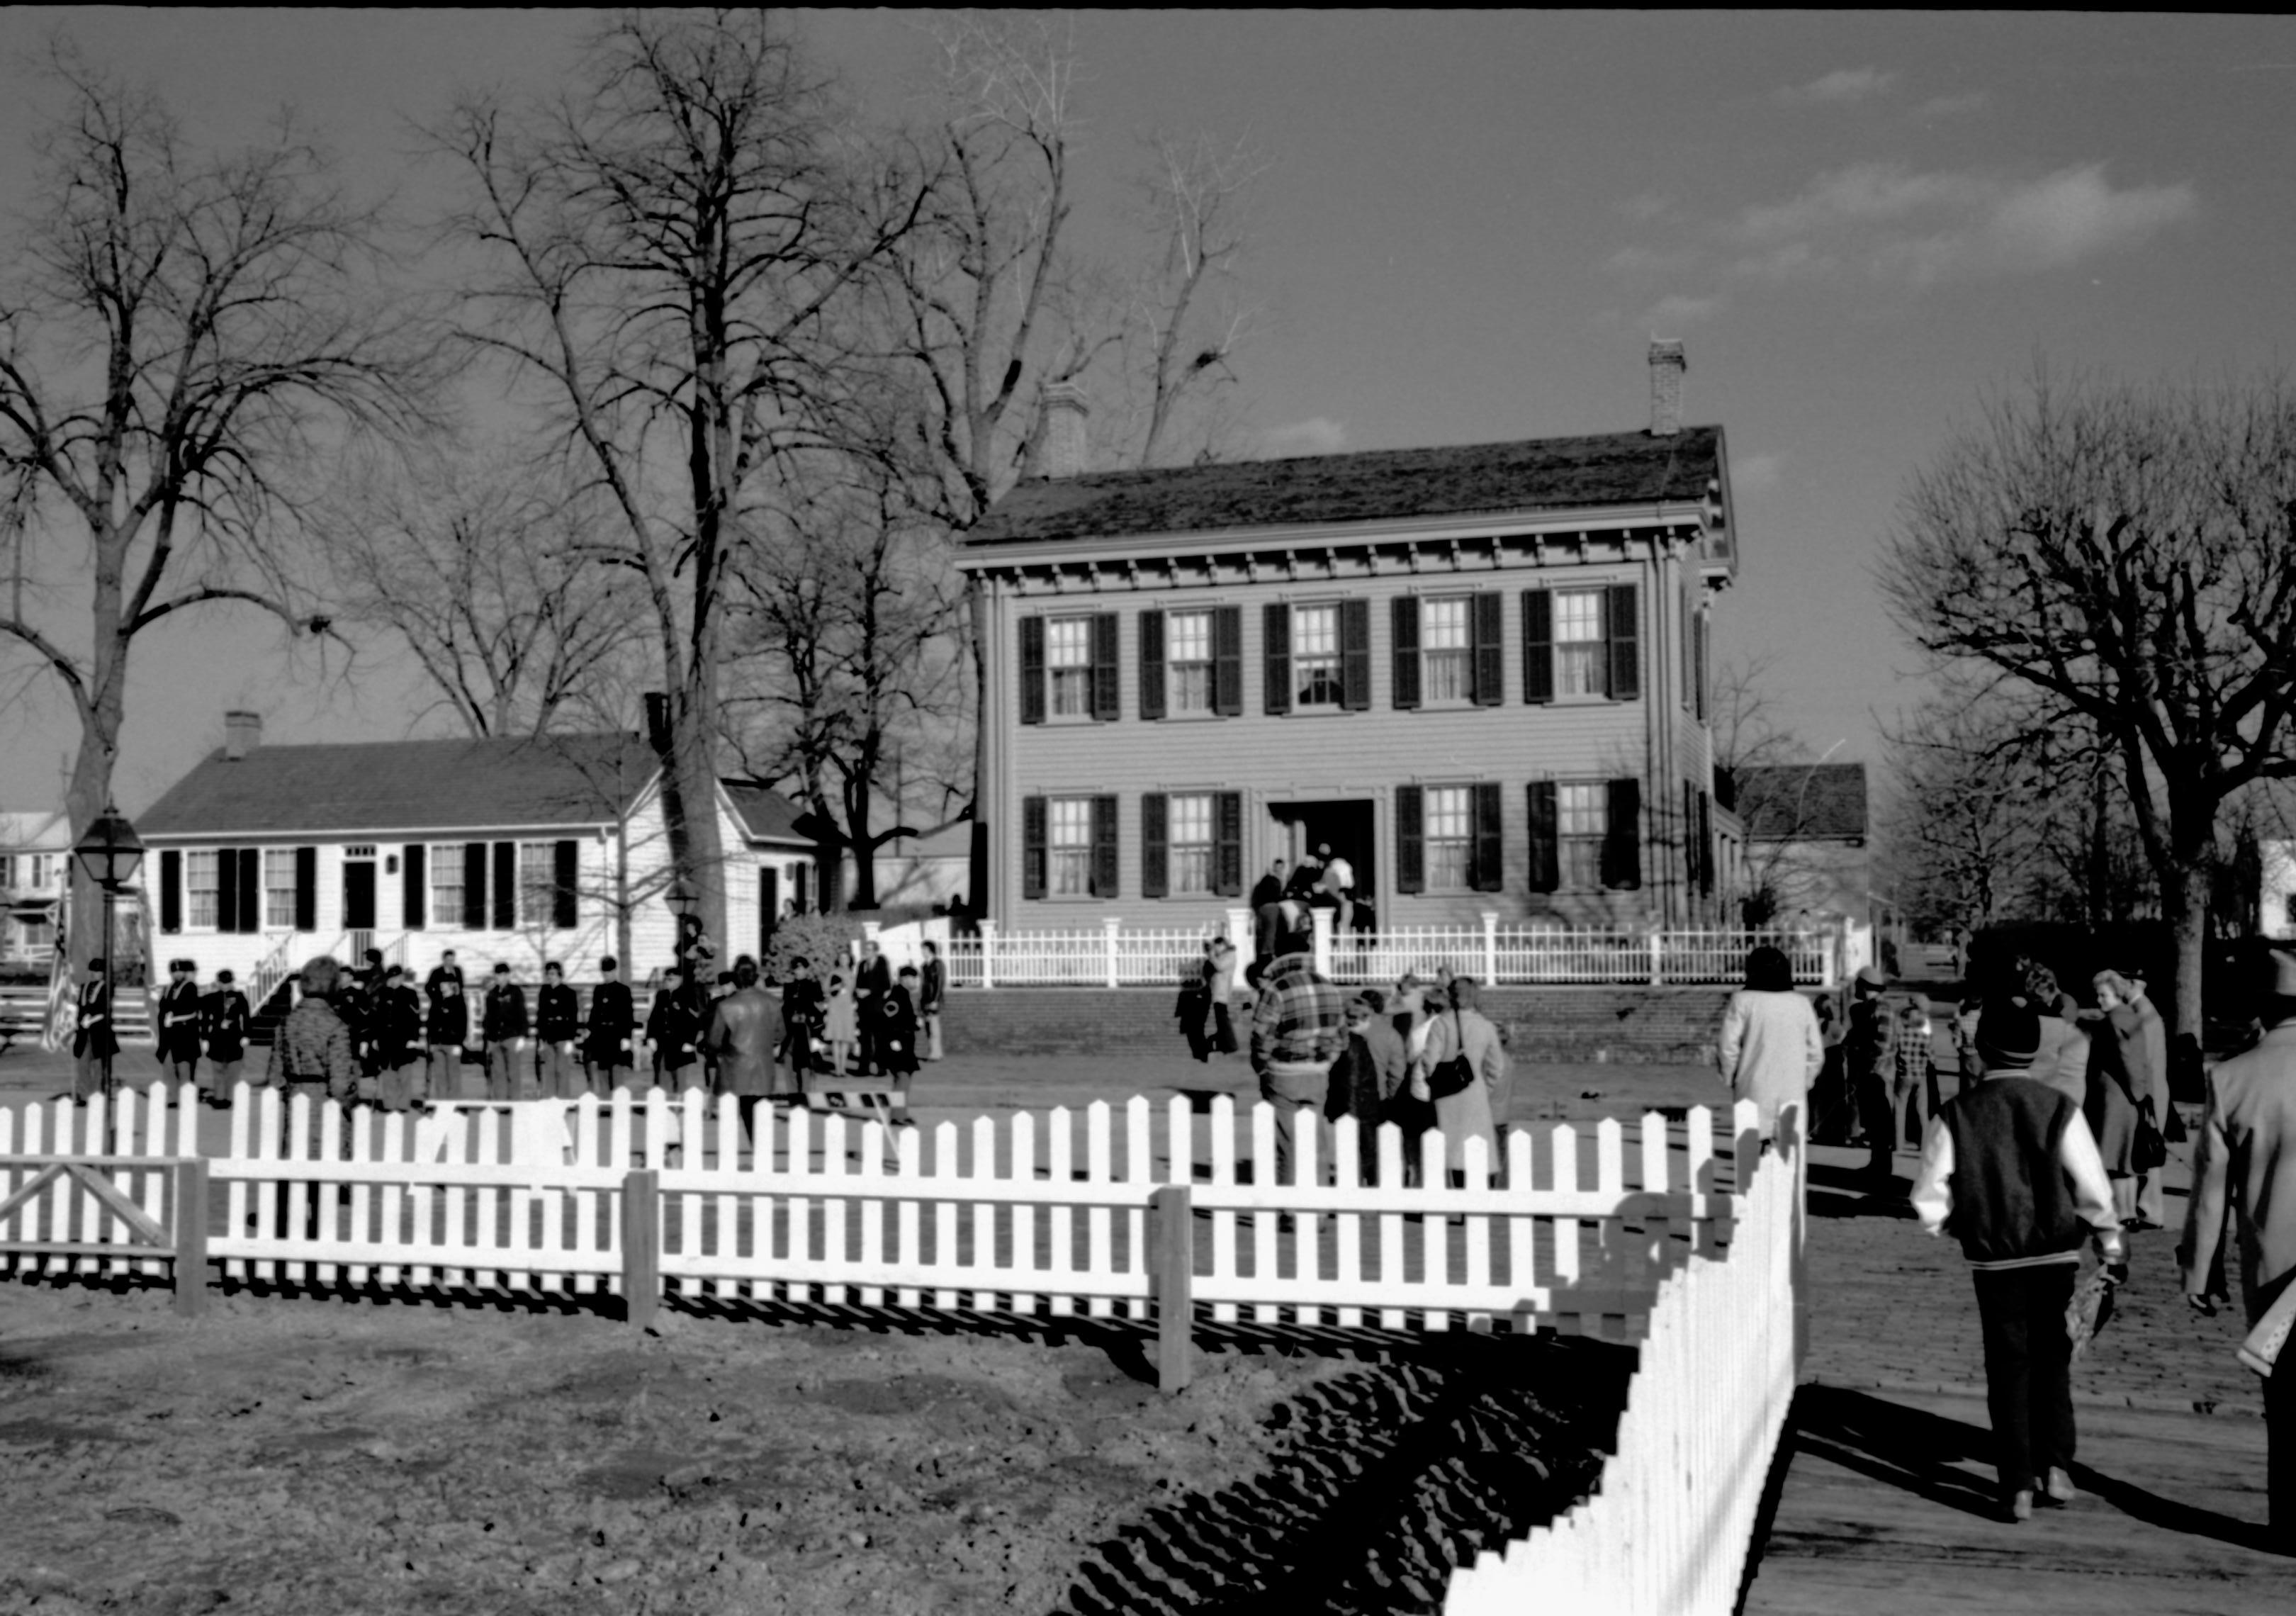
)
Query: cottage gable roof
[
  {"x": 1490, "y": 479},
  {"x": 1803, "y": 801},
  {"x": 764, "y": 812},
  {"x": 407, "y": 786}
]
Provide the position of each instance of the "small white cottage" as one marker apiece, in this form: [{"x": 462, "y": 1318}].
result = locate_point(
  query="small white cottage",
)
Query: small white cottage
[{"x": 519, "y": 850}]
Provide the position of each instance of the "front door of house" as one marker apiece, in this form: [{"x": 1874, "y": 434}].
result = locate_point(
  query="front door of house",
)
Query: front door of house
[
  {"x": 359, "y": 895},
  {"x": 769, "y": 907}
]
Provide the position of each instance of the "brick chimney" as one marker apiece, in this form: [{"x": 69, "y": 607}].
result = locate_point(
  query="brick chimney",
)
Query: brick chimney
[
  {"x": 243, "y": 733},
  {"x": 1667, "y": 365},
  {"x": 1064, "y": 418}
]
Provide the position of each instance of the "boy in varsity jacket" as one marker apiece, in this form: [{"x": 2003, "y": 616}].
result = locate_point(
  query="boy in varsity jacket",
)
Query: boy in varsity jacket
[{"x": 2011, "y": 1170}]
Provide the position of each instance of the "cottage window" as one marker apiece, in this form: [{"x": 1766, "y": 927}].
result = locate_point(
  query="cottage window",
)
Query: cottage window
[
  {"x": 1070, "y": 846},
  {"x": 1068, "y": 660},
  {"x": 1189, "y": 824},
  {"x": 201, "y": 886},
  {"x": 1582, "y": 820},
  {"x": 7, "y": 870},
  {"x": 537, "y": 883},
  {"x": 1447, "y": 649},
  {"x": 1188, "y": 660},
  {"x": 447, "y": 862},
  {"x": 1315, "y": 657},
  {"x": 1450, "y": 839},
  {"x": 279, "y": 887}
]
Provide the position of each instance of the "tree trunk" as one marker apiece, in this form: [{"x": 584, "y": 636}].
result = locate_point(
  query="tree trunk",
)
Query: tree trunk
[
  {"x": 101, "y": 712},
  {"x": 690, "y": 802},
  {"x": 2184, "y": 899}
]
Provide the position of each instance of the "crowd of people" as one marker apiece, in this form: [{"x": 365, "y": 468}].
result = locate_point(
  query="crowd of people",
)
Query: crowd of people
[{"x": 371, "y": 1035}]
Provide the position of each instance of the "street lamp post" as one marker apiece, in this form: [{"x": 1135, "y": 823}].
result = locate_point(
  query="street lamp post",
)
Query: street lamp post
[{"x": 110, "y": 852}]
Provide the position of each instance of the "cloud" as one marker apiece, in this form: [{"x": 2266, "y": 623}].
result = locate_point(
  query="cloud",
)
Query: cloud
[
  {"x": 1921, "y": 228},
  {"x": 1646, "y": 207},
  {"x": 1676, "y": 310},
  {"x": 1318, "y": 435},
  {"x": 1753, "y": 473},
  {"x": 1953, "y": 106},
  {"x": 1840, "y": 87}
]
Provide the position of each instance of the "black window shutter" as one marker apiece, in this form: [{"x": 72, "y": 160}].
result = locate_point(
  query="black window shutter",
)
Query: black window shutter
[
  {"x": 505, "y": 885},
  {"x": 1689, "y": 696},
  {"x": 1404, "y": 630},
  {"x": 1275, "y": 652},
  {"x": 251, "y": 889},
  {"x": 1154, "y": 880},
  {"x": 474, "y": 886},
  {"x": 1410, "y": 840},
  {"x": 1698, "y": 663},
  {"x": 1355, "y": 655},
  {"x": 1622, "y": 836},
  {"x": 1032, "y": 670},
  {"x": 1689, "y": 836},
  {"x": 1227, "y": 844},
  {"x": 307, "y": 889},
  {"x": 1151, "y": 664},
  {"x": 228, "y": 888},
  {"x": 1490, "y": 659},
  {"x": 1626, "y": 654},
  {"x": 414, "y": 895},
  {"x": 1227, "y": 660},
  {"x": 565, "y": 877},
  {"x": 1105, "y": 883},
  {"x": 1537, "y": 646},
  {"x": 1546, "y": 855},
  {"x": 1032, "y": 847},
  {"x": 1488, "y": 875},
  {"x": 1705, "y": 845},
  {"x": 171, "y": 891},
  {"x": 1103, "y": 666}
]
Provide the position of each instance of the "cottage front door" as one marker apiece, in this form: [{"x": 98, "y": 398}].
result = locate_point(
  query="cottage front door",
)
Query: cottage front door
[{"x": 359, "y": 895}]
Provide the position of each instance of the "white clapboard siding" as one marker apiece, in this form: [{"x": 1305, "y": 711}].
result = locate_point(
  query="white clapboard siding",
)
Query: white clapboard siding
[{"x": 1667, "y": 1529}]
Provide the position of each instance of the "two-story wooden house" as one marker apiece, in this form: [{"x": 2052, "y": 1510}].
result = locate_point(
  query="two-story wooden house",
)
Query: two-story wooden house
[
  {"x": 1479, "y": 674},
  {"x": 518, "y": 850},
  {"x": 34, "y": 867}
]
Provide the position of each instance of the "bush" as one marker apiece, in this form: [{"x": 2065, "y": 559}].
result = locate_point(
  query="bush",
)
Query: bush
[{"x": 825, "y": 939}]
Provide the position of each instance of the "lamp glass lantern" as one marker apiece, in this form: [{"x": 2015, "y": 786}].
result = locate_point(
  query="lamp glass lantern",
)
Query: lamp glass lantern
[
  {"x": 111, "y": 852},
  {"x": 682, "y": 897}
]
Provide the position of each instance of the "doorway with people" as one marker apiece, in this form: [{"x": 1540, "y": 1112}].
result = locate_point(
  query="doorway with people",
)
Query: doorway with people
[{"x": 1344, "y": 829}]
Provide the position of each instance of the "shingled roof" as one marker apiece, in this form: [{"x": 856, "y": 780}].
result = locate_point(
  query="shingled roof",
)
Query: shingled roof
[
  {"x": 406, "y": 786},
  {"x": 1489, "y": 479},
  {"x": 1803, "y": 801},
  {"x": 766, "y": 813}
]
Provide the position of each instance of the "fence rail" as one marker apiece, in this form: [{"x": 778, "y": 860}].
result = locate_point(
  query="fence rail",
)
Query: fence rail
[
  {"x": 1114, "y": 956},
  {"x": 1668, "y": 1526}
]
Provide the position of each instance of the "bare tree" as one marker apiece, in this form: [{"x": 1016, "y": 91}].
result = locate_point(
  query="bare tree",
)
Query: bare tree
[
  {"x": 2126, "y": 555},
  {"x": 180, "y": 334},
  {"x": 482, "y": 571},
  {"x": 667, "y": 246}
]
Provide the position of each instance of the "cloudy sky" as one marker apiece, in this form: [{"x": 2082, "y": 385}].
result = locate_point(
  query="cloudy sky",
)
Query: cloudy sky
[{"x": 1469, "y": 228}]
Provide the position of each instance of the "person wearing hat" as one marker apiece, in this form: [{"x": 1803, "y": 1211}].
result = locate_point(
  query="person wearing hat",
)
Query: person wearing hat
[
  {"x": 224, "y": 1018},
  {"x": 93, "y": 1037},
  {"x": 395, "y": 1024},
  {"x": 502, "y": 1026},
  {"x": 177, "y": 1023},
  {"x": 1870, "y": 1059},
  {"x": 446, "y": 1026},
  {"x": 2244, "y": 1166},
  {"x": 2010, "y": 1168}
]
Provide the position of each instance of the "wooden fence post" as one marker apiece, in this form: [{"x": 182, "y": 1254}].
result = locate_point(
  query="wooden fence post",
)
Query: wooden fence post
[
  {"x": 191, "y": 1236},
  {"x": 642, "y": 1244},
  {"x": 987, "y": 954},
  {"x": 1110, "y": 926},
  {"x": 1172, "y": 1244}
]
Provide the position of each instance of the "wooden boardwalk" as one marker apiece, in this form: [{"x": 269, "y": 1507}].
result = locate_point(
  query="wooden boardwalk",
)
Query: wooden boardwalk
[{"x": 1887, "y": 1503}]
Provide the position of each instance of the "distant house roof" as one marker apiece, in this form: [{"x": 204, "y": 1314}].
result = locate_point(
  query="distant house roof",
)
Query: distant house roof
[
  {"x": 37, "y": 830},
  {"x": 1802, "y": 801},
  {"x": 765, "y": 814},
  {"x": 1494, "y": 478},
  {"x": 406, "y": 786}
]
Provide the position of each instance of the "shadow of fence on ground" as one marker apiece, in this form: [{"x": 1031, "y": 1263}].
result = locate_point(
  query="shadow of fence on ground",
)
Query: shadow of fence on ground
[{"x": 1387, "y": 1478}]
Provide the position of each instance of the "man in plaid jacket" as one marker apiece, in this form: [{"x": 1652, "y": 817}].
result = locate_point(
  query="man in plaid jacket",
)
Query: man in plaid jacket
[{"x": 1298, "y": 1029}]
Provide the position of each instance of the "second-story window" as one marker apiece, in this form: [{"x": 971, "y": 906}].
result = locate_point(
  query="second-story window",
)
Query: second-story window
[
  {"x": 1315, "y": 657},
  {"x": 1188, "y": 661},
  {"x": 1447, "y": 649},
  {"x": 1068, "y": 662},
  {"x": 1579, "y": 644}
]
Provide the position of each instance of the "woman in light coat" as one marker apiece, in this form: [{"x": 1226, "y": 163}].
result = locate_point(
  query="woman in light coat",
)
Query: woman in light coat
[
  {"x": 1455, "y": 1030},
  {"x": 1770, "y": 1050}
]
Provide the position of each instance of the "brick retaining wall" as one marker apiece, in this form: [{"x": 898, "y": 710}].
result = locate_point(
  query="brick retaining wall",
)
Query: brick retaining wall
[{"x": 1632, "y": 1024}]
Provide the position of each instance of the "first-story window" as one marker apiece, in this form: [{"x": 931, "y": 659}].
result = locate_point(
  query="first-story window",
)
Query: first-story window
[
  {"x": 1450, "y": 839},
  {"x": 1316, "y": 656},
  {"x": 200, "y": 890},
  {"x": 1068, "y": 845},
  {"x": 278, "y": 888},
  {"x": 537, "y": 883},
  {"x": 1068, "y": 661},
  {"x": 1190, "y": 826},
  {"x": 447, "y": 861},
  {"x": 1582, "y": 820}
]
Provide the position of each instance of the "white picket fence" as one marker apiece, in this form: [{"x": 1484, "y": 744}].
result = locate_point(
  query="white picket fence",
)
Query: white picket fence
[
  {"x": 1023, "y": 1214},
  {"x": 1669, "y": 1527},
  {"x": 1112, "y": 955}
]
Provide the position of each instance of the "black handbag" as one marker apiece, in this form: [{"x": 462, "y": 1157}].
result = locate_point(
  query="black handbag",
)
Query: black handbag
[
  {"x": 2150, "y": 1151},
  {"x": 1456, "y": 1075}
]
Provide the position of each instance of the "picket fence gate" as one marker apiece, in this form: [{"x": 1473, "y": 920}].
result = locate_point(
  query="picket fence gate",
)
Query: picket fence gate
[{"x": 1667, "y": 1531}]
